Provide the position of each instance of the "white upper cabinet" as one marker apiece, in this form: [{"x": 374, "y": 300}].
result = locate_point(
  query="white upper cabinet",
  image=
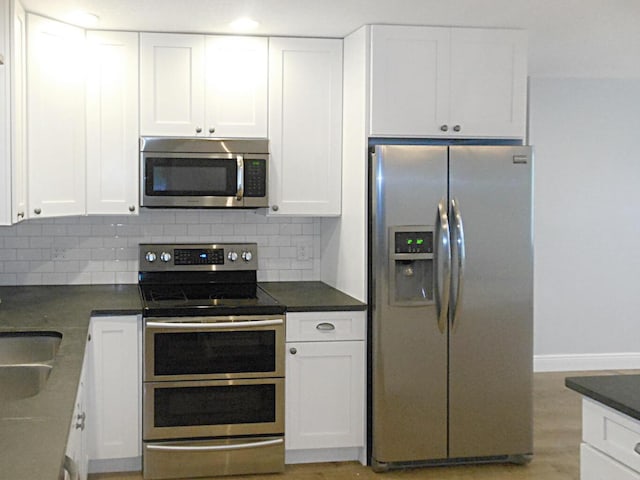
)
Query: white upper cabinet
[
  {"x": 447, "y": 82},
  {"x": 112, "y": 122},
  {"x": 236, "y": 86},
  {"x": 488, "y": 82},
  {"x": 55, "y": 117},
  {"x": 19, "y": 112},
  {"x": 195, "y": 85},
  {"x": 409, "y": 80},
  {"x": 5, "y": 116},
  {"x": 12, "y": 113},
  {"x": 305, "y": 126}
]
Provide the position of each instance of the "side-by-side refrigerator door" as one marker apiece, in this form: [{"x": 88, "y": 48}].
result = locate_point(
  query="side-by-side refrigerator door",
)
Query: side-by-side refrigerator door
[
  {"x": 409, "y": 339},
  {"x": 490, "y": 403}
]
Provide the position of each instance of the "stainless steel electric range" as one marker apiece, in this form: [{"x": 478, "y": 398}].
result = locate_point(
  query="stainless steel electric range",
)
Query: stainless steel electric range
[{"x": 213, "y": 393}]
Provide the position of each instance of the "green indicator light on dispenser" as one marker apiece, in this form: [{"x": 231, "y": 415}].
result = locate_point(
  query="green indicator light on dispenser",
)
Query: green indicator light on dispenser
[
  {"x": 420, "y": 241},
  {"x": 409, "y": 241}
]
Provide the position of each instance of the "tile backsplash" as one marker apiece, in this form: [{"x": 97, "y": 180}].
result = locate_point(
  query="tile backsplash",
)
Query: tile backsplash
[{"x": 104, "y": 249}]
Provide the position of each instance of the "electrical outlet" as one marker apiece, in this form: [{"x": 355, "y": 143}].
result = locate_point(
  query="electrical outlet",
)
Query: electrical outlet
[
  {"x": 58, "y": 253},
  {"x": 304, "y": 252}
]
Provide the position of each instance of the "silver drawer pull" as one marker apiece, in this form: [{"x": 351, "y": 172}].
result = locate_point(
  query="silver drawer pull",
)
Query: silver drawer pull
[
  {"x": 325, "y": 326},
  {"x": 637, "y": 449}
]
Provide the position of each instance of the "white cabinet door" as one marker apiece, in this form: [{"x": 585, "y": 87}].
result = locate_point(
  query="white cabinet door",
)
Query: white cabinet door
[
  {"x": 55, "y": 118},
  {"x": 409, "y": 80},
  {"x": 112, "y": 122},
  {"x": 5, "y": 115},
  {"x": 447, "y": 82},
  {"x": 12, "y": 113},
  {"x": 305, "y": 126},
  {"x": 488, "y": 82},
  {"x": 171, "y": 84},
  {"x": 595, "y": 465},
  {"x": 77, "y": 439},
  {"x": 115, "y": 383},
  {"x": 19, "y": 112},
  {"x": 236, "y": 86},
  {"x": 324, "y": 395}
]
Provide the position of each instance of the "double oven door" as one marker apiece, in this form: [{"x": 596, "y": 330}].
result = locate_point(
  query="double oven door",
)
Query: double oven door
[{"x": 213, "y": 385}]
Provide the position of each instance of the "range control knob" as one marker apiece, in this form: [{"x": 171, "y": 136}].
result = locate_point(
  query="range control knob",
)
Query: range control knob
[
  {"x": 150, "y": 257},
  {"x": 233, "y": 256},
  {"x": 165, "y": 257},
  {"x": 247, "y": 256}
]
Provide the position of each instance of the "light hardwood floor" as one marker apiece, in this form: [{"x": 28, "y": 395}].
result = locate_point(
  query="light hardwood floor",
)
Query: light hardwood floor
[{"x": 557, "y": 433}]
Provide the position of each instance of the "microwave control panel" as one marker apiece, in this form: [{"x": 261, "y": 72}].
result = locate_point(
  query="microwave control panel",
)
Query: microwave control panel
[{"x": 255, "y": 178}]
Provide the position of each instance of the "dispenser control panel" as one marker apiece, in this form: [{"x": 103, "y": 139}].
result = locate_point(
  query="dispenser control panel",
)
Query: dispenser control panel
[{"x": 413, "y": 242}]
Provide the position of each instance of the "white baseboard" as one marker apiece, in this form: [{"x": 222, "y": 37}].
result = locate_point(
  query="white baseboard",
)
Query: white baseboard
[{"x": 586, "y": 361}]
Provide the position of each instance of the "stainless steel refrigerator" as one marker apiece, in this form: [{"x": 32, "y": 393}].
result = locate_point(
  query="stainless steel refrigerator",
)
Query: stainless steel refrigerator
[{"x": 450, "y": 292}]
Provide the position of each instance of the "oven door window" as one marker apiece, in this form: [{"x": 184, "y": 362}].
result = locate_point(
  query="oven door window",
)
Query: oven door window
[
  {"x": 217, "y": 352},
  {"x": 191, "y": 409},
  {"x": 169, "y": 176},
  {"x": 215, "y": 405}
]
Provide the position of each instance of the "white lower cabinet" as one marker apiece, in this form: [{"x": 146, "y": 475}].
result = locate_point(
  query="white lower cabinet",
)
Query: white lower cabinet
[
  {"x": 325, "y": 387},
  {"x": 114, "y": 387},
  {"x": 611, "y": 444},
  {"x": 76, "y": 463}
]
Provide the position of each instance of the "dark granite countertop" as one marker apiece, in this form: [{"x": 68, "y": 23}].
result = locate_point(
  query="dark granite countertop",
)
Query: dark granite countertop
[
  {"x": 620, "y": 392},
  {"x": 33, "y": 431},
  {"x": 311, "y": 297}
]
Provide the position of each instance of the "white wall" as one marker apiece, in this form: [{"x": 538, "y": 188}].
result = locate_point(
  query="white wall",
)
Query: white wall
[{"x": 586, "y": 136}]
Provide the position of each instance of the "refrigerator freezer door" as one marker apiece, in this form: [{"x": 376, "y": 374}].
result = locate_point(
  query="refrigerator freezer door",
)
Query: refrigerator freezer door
[
  {"x": 409, "y": 392},
  {"x": 490, "y": 397}
]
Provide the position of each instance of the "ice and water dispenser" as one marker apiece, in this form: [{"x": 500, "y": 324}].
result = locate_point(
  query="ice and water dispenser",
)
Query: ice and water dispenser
[{"x": 411, "y": 265}]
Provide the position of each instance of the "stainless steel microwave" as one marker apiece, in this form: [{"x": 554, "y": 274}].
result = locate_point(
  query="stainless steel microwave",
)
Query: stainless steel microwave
[{"x": 203, "y": 172}]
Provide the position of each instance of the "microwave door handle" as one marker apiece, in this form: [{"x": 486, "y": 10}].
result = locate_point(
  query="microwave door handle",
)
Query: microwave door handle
[{"x": 240, "y": 179}]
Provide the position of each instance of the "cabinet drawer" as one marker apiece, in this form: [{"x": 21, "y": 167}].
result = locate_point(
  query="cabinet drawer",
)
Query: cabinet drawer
[
  {"x": 613, "y": 433},
  {"x": 595, "y": 465},
  {"x": 325, "y": 326}
]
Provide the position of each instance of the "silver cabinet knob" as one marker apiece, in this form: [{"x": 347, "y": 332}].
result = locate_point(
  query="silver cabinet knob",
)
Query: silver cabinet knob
[
  {"x": 198, "y": 129},
  {"x": 132, "y": 208},
  {"x": 212, "y": 129},
  {"x": 20, "y": 214},
  {"x": 275, "y": 208},
  {"x": 293, "y": 350},
  {"x": 457, "y": 128},
  {"x": 37, "y": 211},
  {"x": 444, "y": 128}
]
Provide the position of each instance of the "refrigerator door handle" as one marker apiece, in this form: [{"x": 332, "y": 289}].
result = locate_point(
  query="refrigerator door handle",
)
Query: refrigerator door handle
[
  {"x": 460, "y": 256},
  {"x": 443, "y": 246}
]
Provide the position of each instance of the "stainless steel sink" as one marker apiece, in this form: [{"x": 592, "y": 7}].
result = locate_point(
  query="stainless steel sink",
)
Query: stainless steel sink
[
  {"x": 28, "y": 347},
  {"x": 22, "y": 381},
  {"x": 25, "y": 362}
]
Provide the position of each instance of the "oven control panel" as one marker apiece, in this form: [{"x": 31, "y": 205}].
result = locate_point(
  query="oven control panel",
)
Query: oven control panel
[{"x": 219, "y": 256}]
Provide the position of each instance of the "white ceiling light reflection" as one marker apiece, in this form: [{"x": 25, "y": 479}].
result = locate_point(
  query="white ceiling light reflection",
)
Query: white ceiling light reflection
[{"x": 244, "y": 24}]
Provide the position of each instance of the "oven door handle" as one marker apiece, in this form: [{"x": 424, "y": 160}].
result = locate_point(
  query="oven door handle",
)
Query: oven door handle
[
  {"x": 214, "y": 448},
  {"x": 214, "y": 325}
]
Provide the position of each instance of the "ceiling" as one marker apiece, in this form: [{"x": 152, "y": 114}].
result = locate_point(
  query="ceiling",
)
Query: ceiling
[{"x": 574, "y": 38}]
